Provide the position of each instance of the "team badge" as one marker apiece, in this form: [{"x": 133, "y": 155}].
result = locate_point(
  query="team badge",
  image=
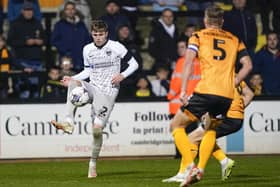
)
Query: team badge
[{"x": 108, "y": 52}]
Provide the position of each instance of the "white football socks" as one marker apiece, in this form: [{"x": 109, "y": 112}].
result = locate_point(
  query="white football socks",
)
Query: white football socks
[{"x": 224, "y": 161}]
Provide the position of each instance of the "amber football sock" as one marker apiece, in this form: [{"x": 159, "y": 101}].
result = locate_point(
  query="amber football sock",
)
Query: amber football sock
[
  {"x": 218, "y": 153},
  {"x": 183, "y": 144},
  {"x": 206, "y": 147},
  {"x": 184, "y": 164}
]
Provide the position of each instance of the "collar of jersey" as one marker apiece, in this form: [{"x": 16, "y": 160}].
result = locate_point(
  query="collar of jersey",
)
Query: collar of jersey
[{"x": 100, "y": 47}]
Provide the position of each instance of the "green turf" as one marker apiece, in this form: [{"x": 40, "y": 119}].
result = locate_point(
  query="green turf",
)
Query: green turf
[{"x": 260, "y": 171}]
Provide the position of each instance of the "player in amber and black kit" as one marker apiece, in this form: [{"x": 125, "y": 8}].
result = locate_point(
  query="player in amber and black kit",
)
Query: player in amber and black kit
[{"x": 217, "y": 51}]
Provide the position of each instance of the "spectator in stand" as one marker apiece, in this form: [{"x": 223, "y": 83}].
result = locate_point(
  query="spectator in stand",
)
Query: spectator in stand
[
  {"x": 267, "y": 64},
  {"x": 5, "y": 56},
  {"x": 130, "y": 9},
  {"x": 160, "y": 85},
  {"x": 176, "y": 79},
  {"x": 53, "y": 87},
  {"x": 15, "y": 7},
  {"x": 114, "y": 18},
  {"x": 126, "y": 38},
  {"x": 256, "y": 84},
  {"x": 26, "y": 37},
  {"x": 145, "y": 2},
  {"x": 66, "y": 66},
  {"x": 241, "y": 22},
  {"x": 83, "y": 11},
  {"x": 162, "y": 41},
  {"x": 188, "y": 30},
  {"x": 70, "y": 35},
  {"x": 160, "y": 5},
  {"x": 1, "y": 16},
  {"x": 276, "y": 16},
  {"x": 143, "y": 87},
  {"x": 265, "y": 7},
  {"x": 197, "y": 5},
  {"x": 5, "y": 66}
]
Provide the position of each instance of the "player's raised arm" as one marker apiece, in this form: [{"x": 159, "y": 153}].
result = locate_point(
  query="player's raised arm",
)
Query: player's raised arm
[
  {"x": 82, "y": 75},
  {"x": 78, "y": 77}
]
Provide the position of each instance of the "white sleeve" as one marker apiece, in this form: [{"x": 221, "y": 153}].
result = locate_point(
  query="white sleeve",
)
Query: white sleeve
[
  {"x": 133, "y": 66},
  {"x": 120, "y": 48},
  {"x": 127, "y": 58},
  {"x": 82, "y": 75}
]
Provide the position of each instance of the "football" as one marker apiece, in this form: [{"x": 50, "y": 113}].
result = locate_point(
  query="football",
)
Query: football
[{"x": 79, "y": 96}]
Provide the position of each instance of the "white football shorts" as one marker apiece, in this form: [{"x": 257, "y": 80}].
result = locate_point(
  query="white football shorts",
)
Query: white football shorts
[{"x": 102, "y": 105}]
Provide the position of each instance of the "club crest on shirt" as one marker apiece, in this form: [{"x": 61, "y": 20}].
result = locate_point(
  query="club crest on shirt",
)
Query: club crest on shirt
[{"x": 108, "y": 52}]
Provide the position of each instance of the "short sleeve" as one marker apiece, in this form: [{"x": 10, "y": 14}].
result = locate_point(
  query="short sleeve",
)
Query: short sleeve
[
  {"x": 241, "y": 51},
  {"x": 194, "y": 42}
]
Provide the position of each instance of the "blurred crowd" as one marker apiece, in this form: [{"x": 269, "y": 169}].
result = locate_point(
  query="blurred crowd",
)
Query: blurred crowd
[{"x": 25, "y": 73}]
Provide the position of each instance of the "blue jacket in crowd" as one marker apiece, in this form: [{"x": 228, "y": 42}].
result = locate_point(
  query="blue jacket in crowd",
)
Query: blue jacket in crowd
[
  {"x": 114, "y": 22},
  {"x": 268, "y": 65},
  {"x": 15, "y": 6},
  {"x": 69, "y": 39}
]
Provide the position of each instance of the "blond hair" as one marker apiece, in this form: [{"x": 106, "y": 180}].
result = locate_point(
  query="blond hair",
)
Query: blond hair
[{"x": 214, "y": 15}]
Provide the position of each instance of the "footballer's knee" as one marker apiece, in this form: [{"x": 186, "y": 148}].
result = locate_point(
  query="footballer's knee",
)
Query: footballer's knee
[
  {"x": 182, "y": 119},
  {"x": 97, "y": 127},
  {"x": 209, "y": 122},
  {"x": 196, "y": 135},
  {"x": 97, "y": 131}
]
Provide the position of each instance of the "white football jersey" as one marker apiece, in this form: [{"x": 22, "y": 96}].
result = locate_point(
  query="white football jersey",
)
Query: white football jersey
[{"x": 104, "y": 62}]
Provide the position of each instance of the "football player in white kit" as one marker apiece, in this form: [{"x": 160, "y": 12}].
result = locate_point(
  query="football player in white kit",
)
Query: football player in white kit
[{"x": 102, "y": 63}]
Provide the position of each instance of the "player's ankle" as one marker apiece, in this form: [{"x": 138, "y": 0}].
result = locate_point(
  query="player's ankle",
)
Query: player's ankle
[
  {"x": 92, "y": 162},
  {"x": 224, "y": 161}
]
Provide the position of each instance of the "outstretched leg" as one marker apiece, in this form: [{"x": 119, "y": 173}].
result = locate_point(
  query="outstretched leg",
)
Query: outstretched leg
[{"x": 67, "y": 125}]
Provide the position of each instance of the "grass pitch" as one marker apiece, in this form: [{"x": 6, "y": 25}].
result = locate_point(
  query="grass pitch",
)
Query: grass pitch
[{"x": 253, "y": 171}]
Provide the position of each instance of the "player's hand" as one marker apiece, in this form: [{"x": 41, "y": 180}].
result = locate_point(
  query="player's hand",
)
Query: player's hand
[
  {"x": 117, "y": 79},
  {"x": 38, "y": 41},
  {"x": 184, "y": 98},
  {"x": 65, "y": 80},
  {"x": 30, "y": 41},
  {"x": 28, "y": 70}
]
